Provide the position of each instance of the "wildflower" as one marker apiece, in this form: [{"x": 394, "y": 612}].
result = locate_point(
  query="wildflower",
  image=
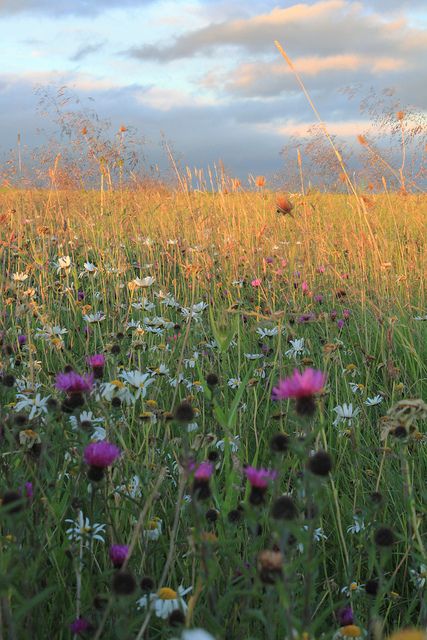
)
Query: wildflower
[
  {"x": 142, "y": 282},
  {"x": 358, "y": 526},
  {"x": 233, "y": 443},
  {"x": 63, "y": 263},
  {"x": 284, "y": 205},
  {"x": 99, "y": 456},
  {"x": 345, "y": 616},
  {"x": 140, "y": 382},
  {"x": 356, "y": 388},
  {"x": 279, "y": 443},
  {"x": 37, "y": 405},
  {"x": 409, "y": 634},
  {"x": 256, "y": 282},
  {"x": 349, "y": 631},
  {"x": 419, "y": 578},
  {"x": 269, "y": 565},
  {"x": 353, "y": 587},
  {"x": 82, "y": 530},
  {"x": 184, "y": 412},
  {"x": 371, "y": 402},
  {"x": 284, "y": 509},
  {"x": 97, "y": 362},
  {"x": 302, "y": 387},
  {"x": 20, "y": 276},
  {"x": 258, "y": 479},
  {"x": 153, "y": 529},
  {"x": 202, "y": 475},
  {"x": 297, "y": 348},
  {"x": 345, "y": 413},
  {"x": 165, "y": 601},
  {"x": 118, "y": 554},
  {"x": 234, "y": 383},
  {"x": 22, "y": 339},
  {"x": 196, "y": 634},
  {"x": 132, "y": 489},
  {"x": 260, "y": 181},
  {"x": 254, "y": 356},
  {"x": 267, "y": 333},
  {"x": 79, "y": 626},
  {"x": 92, "y": 318}
]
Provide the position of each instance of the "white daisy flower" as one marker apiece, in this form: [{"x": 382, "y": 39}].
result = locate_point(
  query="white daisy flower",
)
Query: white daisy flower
[
  {"x": 317, "y": 536},
  {"x": 140, "y": 381},
  {"x": 421, "y": 318},
  {"x": 143, "y": 282},
  {"x": 353, "y": 587},
  {"x": 254, "y": 356},
  {"x": 19, "y": 276},
  {"x": 357, "y": 526},
  {"x": 37, "y": 406},
  {"x": 165, "y": 601},
  {"x": 116, "y": 389},
  {"x": 49, "y": 333},
  {"x": 154, "y": 529},
  {"x": 345, "y": 413},
  {"x": 356, "y": 388},
  {"x": 63, "y": 263},
  {"x": 233, "y": 443},
  {"x": 145, "y": 304},
  {"x": 419, "y": 578},
  {"x": 84, "y": 419},
  {"x": 81, "y": 529},
  {"x": 234, "y": 383},
  {"x": 196, "y": 634},
  {"x": 133, "y": 488},
  {"x": 372, "y": 402},
  {"x": 297, "y": 348},
  {"x": 91, "y": 318},
  {"x": 190, "y": 363},
  {"x": 267, "y": 333}
]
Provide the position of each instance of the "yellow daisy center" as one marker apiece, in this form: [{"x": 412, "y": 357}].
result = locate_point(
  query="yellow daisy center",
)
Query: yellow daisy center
[
  {"x": 351, "y": 631},
  {"x": 165, "y": 593}
]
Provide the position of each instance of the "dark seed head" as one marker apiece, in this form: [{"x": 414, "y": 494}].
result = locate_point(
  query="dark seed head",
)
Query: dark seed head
[
  {"x": 213, "y": 455},
  {"x": 384, "y": 537},
  {"x": 52, "y": 404},
  {"x": 12, "y": 500},
  {"x": 376, "y": 498},
  {"x": 124, "y": 583},
  {"x": 257, "y": 495},
  {"x": 95, "y": 474},
  {"x": 320, "y": 463},
  {"x": 400, "y": 432},
  {"x": 147, "y": 583},
  {"x": 21, "y": 419},
  {"x": 279, "y": 443},
  {"x": 284, "y": 509},
  {"x": 116, "y": 402},
  {"x": 176, "y": 618},
  {"x": 115, "y": 349},
  {"x": 8, "y": 380},
  {"x": 372, "y": 586},
  {"x": 234, "y": 516},
  {"x": 211, "y": 515},
  {"x": 184, "y": 412},
  {"x": 212, "y": 379}
]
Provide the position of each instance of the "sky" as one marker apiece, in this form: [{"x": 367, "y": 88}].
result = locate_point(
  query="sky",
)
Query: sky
[{"x": 205, "y": 74}]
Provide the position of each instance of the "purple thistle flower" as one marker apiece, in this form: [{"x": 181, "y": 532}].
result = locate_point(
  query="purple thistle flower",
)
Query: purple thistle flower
[
  {"x": 29, "y": 490},
  {"x": 101, "y": 454},
  {"x": 204, "y": 471},
  {"x": 79, "y": 626},
  {"x": 345, "y": 616},
  {"x": 80, "y": 295},
  {"x": 259, "y": 477},
  {"x": 22, "y": 339},
  {"x": 118, "y": 554},
  {"x": 300, "y": 385},
  {"x": 71, "y": 382},
  {"x": 97, "y": 360},
  {"x": 340, "y": 323}
]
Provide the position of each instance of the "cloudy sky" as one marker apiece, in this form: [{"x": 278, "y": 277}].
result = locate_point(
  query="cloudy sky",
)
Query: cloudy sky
[{"x": 206, "y": 73}]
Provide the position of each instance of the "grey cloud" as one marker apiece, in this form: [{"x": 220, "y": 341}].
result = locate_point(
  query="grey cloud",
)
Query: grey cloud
[
  {"x": 320, "y": 28},
  {"x": 85, "y": 50},
  {"x": 59, "y": 8}
]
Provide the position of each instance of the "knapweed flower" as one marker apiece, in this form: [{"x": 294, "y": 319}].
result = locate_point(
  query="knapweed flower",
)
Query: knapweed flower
[
  {"x": 302, "y": 387},
  {"x": 80, "y": 625},
  {"x": 118, "y": 554},
  {"x": 97, "y": 363},
  {"x": 99, "y": 456},
  {"x": 73, "y": 383},
  {"x": 202, "y": 475},
  {"x": 345, "y": 616},
  {"x": 165, "y": 601},
  {"x": 256, "y": 282},
  {"x": 259, "y": 479}
]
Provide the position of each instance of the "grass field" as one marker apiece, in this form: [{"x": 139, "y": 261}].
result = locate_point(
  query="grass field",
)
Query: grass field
[{"x": 197, "y": 305}]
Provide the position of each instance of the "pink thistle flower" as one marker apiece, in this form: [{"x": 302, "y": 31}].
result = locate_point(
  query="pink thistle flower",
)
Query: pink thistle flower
[
  {"x": 80, "y": 625},
  {"x": 204, "y": 471},
  {"x": 259, "y": 478},
  {"x": 256, "y": 282},
  {"x": 97, "y": 362},
  {"x": 300, "y": 385},
  {"x": 304, "y": 286},
  {"x": 71, "y": 382},
  {"x": 101, "y": 454},
  {"x": 340, "y": 323},
  {"x": 118, "y": 554}
]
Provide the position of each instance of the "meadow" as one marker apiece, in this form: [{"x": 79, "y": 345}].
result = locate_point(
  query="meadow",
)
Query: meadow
[{"x": 165, "y": 472}]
